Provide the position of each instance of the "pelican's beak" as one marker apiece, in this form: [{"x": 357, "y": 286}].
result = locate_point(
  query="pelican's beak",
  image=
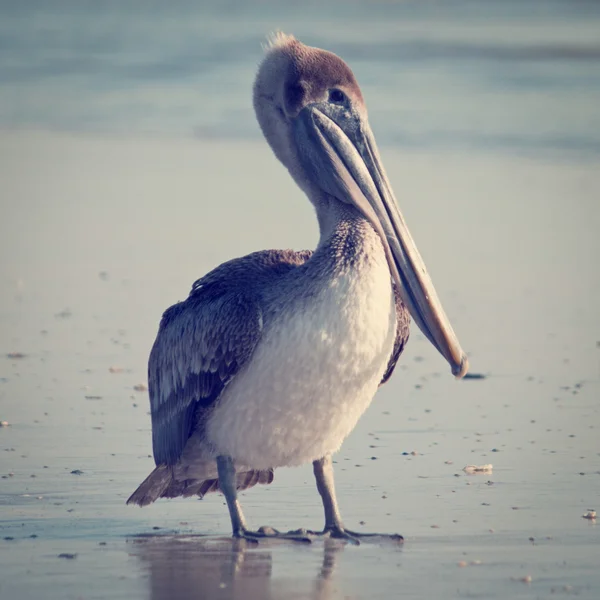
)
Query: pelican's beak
[{"x": 338, "y": 153}]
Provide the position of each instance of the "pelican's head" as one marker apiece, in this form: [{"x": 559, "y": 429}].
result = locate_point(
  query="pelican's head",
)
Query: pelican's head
[
  {"x": 313, "y": 115},
  {"x": 293, "y": 76}
]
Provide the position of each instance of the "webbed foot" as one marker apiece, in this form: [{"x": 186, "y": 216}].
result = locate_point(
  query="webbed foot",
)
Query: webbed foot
[
  {"x": 341, "y": 533},
  {"x": 266, "y": 532}
]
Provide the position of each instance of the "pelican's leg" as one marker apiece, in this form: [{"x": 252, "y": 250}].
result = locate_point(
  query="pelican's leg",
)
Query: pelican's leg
[
  {"x": 323, "y": 469},
  {"x": 226, "y": 470}
]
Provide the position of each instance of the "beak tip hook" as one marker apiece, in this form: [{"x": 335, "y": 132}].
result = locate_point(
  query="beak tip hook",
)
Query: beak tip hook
[{"x": 459, "y": 371}]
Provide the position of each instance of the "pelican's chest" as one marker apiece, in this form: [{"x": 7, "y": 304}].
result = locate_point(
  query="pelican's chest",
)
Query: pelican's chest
[
  {"x": 317, "y": 367},
  {"x": 349, "y": 320},
  {"x": 340, "y": 322}
]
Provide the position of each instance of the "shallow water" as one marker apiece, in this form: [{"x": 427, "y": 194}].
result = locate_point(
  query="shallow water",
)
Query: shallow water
[
  {"x": 92, "y": 255},
  {"x": 506, "y": 77}
]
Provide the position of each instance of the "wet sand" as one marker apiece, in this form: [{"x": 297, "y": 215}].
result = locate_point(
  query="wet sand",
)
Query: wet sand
[{"x": 99, "y": 235}]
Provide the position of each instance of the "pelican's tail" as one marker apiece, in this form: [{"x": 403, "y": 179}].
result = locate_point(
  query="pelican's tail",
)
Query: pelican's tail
[{"x": 161, "y": 483}]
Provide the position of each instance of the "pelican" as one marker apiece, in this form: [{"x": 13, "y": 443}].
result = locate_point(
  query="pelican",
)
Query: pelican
[{"x": 273, "y": 357}]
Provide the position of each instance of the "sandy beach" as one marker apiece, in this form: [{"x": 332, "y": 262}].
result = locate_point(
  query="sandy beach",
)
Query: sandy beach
[{"x": 99, "y": 234}]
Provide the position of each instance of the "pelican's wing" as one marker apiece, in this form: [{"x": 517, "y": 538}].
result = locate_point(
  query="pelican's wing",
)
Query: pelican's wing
[
  {"x": 402, "y": 331},
  {"x": 204, "y": 341},
  {"x": 201, "y": 344}
]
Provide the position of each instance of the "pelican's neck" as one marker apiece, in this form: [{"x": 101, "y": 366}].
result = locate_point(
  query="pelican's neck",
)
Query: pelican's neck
[
  {"x": 345, "y": 234},
  {"x": 331, "y": 214}
]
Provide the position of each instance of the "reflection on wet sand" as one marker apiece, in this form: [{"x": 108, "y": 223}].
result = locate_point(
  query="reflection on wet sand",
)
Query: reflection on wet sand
[{"x": 193, "y": 566}]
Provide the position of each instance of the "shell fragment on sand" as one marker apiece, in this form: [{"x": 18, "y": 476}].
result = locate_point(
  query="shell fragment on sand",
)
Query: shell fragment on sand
[{"x": 472, "y": 469}]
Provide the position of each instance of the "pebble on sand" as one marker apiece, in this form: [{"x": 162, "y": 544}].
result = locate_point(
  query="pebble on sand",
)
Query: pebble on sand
[
  {"x": 525, "y": 579},
  {"x": 472, "y": 563}
]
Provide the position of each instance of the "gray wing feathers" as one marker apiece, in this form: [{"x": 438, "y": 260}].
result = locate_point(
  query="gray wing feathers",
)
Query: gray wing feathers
[{"x": 201, "y": 345}]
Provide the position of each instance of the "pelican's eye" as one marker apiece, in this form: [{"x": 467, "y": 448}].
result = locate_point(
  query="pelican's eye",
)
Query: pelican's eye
[{"x": 337, "y": 96}]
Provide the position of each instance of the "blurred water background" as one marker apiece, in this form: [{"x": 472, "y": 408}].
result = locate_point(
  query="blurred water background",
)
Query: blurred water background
[{"x": 517, "y": 76}]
